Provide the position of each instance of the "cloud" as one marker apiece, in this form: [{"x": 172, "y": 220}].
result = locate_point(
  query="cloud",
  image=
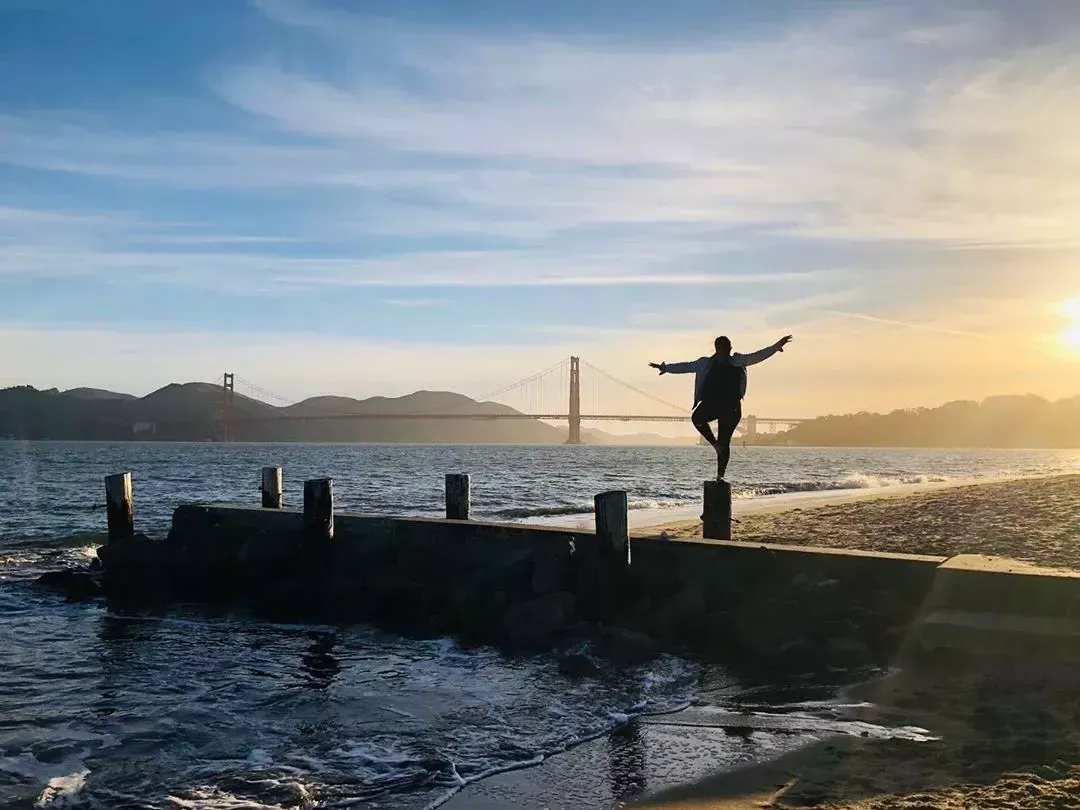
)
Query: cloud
[
  {"x": 848, "y": 133},
  {"x": 129, "y": 254},
  {"x": 926, "y": 327},
  {"x": 839, "y": 127},
  {"x": 478, "y": 158}
]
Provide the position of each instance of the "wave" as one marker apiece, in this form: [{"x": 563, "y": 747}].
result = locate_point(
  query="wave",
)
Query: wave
[
  {"x": 850, "y": 481},
  {"x": 67, "y": 541},
  {"x": 582, "y": 508},
  {"x": 678, "y": 671},
  {"x": 740, "y": 490}
]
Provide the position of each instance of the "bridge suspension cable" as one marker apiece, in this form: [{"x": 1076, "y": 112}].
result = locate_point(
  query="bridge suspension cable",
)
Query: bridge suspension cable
[
  {"x": 262, "y": 393},
  {"x": 522, "y": 383},
  {"x": 633, "y": 388}
]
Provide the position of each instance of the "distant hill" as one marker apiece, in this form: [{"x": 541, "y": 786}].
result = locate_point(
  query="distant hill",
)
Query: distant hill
[
  {"x": 96, "y": 393},
  {"x": 1004, "y": 421},
  {"x": 191, "y": 412}
]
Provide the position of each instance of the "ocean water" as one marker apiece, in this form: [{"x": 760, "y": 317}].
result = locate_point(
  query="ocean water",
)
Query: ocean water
[{"x": 198, "y": 708}]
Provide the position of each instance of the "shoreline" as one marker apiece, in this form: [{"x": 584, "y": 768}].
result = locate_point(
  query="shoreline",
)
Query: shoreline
[
  {"x": 652, "y": 521},
  {"x": 798, "y": 501}
]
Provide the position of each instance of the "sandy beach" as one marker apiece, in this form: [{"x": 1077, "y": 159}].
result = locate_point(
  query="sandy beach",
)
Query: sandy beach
[
  {"x": 1007, "y": 737},
  {"x": 1031, "y": 519}
]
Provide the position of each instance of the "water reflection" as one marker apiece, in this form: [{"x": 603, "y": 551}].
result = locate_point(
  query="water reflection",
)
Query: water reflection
[
  {"x": 318, "y": 662},
  {"x": 626, "y": 756}
]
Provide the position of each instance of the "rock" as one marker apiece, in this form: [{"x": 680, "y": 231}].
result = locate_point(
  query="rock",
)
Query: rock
[
  {"x": 72, "y": 584},
  {"x": 136, "y": 568},
  {"x": 125, "y": 552},
  {"x": 578, "y": 665},
  {"x": 538, "y": 620},
  {"x": 628, "y": 647},
  {"x": 680, "y": 616}
]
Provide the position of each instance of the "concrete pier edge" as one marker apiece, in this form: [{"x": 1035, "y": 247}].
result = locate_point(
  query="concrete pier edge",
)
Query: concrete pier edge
[{"x": 523, "y": 585}]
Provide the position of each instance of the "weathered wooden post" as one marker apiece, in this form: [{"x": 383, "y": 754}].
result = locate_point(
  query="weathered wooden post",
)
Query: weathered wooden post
[
  {"x": 271, "y": 488},
  {"x": 120, "y": 506},
  {"x": 612, "y": 525},
  {"x": 319, "y": 509},
  {"x": 457, "y": 496},
  {"x": 716, "y": 515}
]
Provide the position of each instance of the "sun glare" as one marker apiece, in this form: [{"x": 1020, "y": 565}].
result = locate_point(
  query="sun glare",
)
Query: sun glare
[{"x": 1070, "y": 335}]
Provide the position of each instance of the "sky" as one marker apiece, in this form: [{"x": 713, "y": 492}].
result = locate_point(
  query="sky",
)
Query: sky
[{"x": 376, "y": 197}]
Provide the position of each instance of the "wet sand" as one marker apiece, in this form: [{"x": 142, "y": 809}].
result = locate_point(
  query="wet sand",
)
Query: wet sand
[
  {"x": 1008, "y": 735},
  {"x": 1009, "y": 740}
]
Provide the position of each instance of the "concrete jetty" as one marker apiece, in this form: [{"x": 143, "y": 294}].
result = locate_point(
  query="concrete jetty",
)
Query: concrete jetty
[{"x": 535, "y": 587}]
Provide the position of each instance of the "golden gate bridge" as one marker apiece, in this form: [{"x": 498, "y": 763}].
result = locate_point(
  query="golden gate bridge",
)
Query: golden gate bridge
[{"x": 555, "y": 394}]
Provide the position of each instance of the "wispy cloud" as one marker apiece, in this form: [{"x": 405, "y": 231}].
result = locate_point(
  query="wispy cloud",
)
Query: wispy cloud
[
  {"x": 838, "y": 128},
  {"x": 63, "y": 253},
  {"x": 924, "y": 327},
  {"x": 717, "y": 177}
]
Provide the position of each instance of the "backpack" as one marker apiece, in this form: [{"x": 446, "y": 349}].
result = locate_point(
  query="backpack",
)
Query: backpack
[{"x": 723, "y": 383}]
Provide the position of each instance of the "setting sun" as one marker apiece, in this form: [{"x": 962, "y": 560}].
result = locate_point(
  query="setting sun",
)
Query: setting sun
[{"x": 1070, "y": 335}]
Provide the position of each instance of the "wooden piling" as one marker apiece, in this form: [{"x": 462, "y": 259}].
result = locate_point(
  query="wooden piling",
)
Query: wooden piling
[
  {"x": 457, "y": 496},
  {"x": 319, "y": 509},
  {"x": 612, "y": 525},
  {"x": 271, "y": 488},
  {"x": 716, "y": 515},
  {"x": 120, "y": 506}
]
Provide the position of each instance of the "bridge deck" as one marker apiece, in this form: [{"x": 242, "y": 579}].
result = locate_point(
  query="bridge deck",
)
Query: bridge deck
[{"x": 554, "y": 417}]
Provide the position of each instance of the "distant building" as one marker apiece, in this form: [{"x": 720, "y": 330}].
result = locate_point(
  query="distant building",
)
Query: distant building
[{"x": 144, "y": 427}]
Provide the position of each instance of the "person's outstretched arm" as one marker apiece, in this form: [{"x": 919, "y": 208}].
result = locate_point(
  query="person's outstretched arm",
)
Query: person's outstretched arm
[
  {"x": 689, "y": 367},
  {"x": 760, "y": 355}
]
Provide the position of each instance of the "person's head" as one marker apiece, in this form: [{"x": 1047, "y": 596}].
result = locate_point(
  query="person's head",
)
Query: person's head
[{"x": 723, "y": 345}]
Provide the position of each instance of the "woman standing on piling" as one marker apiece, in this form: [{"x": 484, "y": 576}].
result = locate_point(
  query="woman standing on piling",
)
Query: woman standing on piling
[{"x": 719, "y": 388}]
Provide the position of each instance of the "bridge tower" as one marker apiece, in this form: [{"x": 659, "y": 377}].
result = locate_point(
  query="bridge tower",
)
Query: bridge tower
[
  {"x": 228, "y": 387},
  {"x": 575, "y": 401},
  {"x": 750, "y": 430}
]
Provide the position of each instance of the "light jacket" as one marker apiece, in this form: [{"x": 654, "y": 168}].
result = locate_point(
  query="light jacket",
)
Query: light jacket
[{"x": 700, "y": 367}]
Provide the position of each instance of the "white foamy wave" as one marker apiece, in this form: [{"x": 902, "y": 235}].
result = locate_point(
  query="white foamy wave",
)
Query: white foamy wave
[
  {"x": 62, "y": 791},
  {"x": 62, "y": 780},
  {"x": 855, "y": 480},
  {"x": 850, "y": 481},
  {"x": 214, "y": 798},
  {"x": 579, "y": 508},
  {"x": 667, "y": 688}
]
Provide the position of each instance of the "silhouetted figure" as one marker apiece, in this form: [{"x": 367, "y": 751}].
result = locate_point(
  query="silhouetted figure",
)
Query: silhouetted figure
[{"x": 719, "y": 388}]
